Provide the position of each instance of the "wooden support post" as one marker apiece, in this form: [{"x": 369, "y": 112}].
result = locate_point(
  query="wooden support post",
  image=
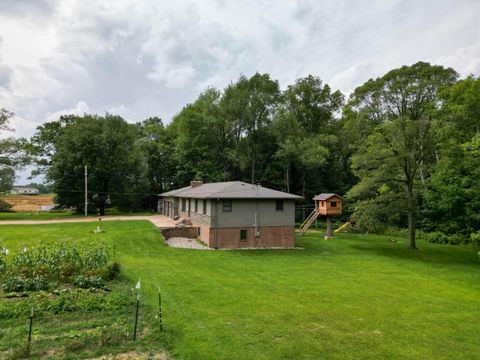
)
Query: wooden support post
[{"x": 329, "y": 233}]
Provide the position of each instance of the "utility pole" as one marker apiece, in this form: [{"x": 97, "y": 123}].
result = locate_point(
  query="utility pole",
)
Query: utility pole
[{"x": 86, "y": 191}]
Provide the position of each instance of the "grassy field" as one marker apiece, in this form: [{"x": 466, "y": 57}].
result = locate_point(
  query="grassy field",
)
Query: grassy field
[
  {"x": 354, "y": 297},
  {"x": 52, "y": 215}
]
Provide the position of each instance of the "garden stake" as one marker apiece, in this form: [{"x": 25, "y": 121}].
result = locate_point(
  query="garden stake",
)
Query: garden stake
[
  {"x": 160, "y": 309},
  {"x": 30, "y": 333},
  {"x": 136, "y": 319}
]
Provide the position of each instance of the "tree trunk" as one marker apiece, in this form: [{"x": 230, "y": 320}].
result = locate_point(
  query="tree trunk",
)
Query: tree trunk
[
  {"x": 329, "y": 232},
  {"x": 101, "y": 209},
  {"x": 253, "y": 171},
  {"x": 303, "y": 195},
  {"x": 287, "y": 178},
  {"x": 411, "y": 218}
]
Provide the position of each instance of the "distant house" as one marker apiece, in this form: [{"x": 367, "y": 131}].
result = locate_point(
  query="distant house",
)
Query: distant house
[
  {"x": 234, "y": 214},
  {"x": 21, "y": 190}
]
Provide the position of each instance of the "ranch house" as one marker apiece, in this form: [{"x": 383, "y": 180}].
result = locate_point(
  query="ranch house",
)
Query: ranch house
[{"x": 234, "y": 214}]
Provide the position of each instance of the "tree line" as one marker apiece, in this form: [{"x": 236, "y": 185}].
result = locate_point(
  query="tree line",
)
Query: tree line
[{"x": 403, "y": 148}]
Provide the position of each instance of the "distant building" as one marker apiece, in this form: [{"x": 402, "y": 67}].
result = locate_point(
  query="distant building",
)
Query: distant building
[
  {"x": 234, "y": 214},
  {"x": 20, "y": 190}
]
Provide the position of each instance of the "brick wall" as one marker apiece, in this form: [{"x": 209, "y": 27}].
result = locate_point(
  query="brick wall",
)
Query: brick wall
[{"x": 270, "y": 237}]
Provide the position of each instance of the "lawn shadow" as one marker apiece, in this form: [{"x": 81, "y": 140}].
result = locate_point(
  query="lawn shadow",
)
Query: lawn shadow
[{"x": 427, "y": 253}]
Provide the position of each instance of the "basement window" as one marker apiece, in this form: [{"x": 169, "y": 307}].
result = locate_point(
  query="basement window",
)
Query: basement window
[
  {"x": 227, "y": 205},
  {"x": 279, "y": 205},
  {"x": 243, "y": 235}
]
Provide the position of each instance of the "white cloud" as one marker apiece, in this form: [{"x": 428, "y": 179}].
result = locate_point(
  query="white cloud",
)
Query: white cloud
[
  {"x": 79, "y": 109},
  {"x": 121, "y": 110},
  {"x": 466, "y": 59},
  {"x": 149, "y": 58}
]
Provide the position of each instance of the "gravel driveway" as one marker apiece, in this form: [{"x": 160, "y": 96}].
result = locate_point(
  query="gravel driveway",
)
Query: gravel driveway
[{"x": 186, "y": 243}]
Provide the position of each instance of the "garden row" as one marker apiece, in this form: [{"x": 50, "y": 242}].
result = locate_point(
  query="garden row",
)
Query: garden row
[{"x": 49, "y": 267}]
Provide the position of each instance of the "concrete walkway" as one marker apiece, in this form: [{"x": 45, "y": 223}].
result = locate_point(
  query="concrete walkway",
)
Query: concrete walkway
[{"x": 159, "y": 221}]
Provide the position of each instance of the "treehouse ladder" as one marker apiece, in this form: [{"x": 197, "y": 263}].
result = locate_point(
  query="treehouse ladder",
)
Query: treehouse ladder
[{"x": 309, "y": 221}]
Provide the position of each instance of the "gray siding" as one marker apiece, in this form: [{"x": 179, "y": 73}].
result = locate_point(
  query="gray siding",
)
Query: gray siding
[{"x": 243, "y": 214}]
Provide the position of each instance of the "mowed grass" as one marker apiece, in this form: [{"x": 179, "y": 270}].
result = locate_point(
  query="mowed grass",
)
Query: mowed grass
[
  {"x": 354, "y": 297},
  {"x": 54, "y": 215}
]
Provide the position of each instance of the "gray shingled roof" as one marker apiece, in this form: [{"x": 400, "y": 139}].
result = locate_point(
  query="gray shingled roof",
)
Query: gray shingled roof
[
  {"x": 325, "y": 196},
  {"x": 230, "y": 190}
]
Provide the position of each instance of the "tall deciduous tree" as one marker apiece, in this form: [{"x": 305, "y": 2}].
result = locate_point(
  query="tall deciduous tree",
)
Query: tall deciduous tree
[
  {"x": 158, "y": 150},
  {"x": 108, "y": 146},
  {"x": 248, "y": 107},
  {"x": 400, "y": 106},
  {"x": 305, "y": 126},
  {"x": 452, "y": 197},
  {"x": 202, "y": 140},
  {"x": 12, "y": 152}
]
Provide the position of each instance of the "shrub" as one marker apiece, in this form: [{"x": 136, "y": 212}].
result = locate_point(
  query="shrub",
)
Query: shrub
[
  {"x": 475, "y": 238},
  {"x": 439, "y": 237},
  {"x": 17, "y": 284},
  {"x": 13, "y": 284},
  {"x": 86, "y": 282},
  {"x": 4, "y": 206},
  {"x": 3, "y": 265},
  {"x": 36, "y": 284},
  {"x": 110, "y": 271}
]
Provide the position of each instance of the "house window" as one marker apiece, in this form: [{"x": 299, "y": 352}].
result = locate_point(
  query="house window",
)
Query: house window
[
  {"x": 204, "y": 207},
  {"x": 279, "y": 205},
  {"x": 196, "y": 205},
  {"x": 184, "y": 204},
  {"x": 227, "y": 205},
  {"x": 243, "y": 235},
  {"x": 323, "y": 203},
  {"x": 333, "y": 204}
]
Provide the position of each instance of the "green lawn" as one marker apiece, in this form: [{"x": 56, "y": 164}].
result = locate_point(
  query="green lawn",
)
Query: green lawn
[
  {"x": 354, "y": 297},
  {"x": 52, "y": 215}
]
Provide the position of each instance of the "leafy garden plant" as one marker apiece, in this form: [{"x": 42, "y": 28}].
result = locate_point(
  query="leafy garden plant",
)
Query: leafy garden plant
[{"x": 40, "y": 268}]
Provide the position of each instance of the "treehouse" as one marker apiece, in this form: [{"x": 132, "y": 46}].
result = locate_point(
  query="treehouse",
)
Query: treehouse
[
  {"x": 325, "y": 204},
  {"x": 328, "y": 204}
]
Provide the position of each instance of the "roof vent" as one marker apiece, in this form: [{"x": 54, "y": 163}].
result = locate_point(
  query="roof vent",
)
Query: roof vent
[{"x": 195, "y": 183}]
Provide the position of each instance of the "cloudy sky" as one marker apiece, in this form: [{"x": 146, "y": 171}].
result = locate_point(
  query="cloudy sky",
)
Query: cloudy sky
[{"x": 149, "y": 58}]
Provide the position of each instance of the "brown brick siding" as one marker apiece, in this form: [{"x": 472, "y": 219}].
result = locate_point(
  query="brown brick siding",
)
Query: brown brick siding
[{"x": 270, "y": 237}]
